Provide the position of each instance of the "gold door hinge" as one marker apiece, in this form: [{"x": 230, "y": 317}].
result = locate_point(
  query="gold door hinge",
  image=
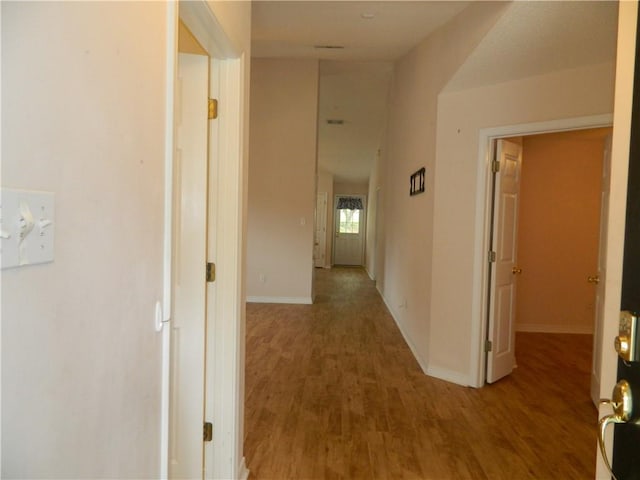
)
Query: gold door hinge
[
  {"x": 492, "y": 256},
  {"x": 211, "y": 272},
  {"x": 495, "y": 166},
  {"x": 488, "y": 346},
  {"x": 207, "y": 432},
  {"x": 213, "y": 108}
]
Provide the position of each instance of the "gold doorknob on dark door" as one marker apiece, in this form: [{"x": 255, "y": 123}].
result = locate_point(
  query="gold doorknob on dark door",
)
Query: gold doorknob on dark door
[
  {"x": 516, "y": 270},
  {"x": 595, "y": 279}
]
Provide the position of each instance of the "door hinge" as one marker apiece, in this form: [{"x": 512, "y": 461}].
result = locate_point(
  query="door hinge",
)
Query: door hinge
[
  {"x": 488, "y": 346},
  {"x": 211, "y": 272},
  {"x": 213, "y": 108},
  {"x": 207, "y": 432},
  {"x": 492, "y": 256},
  {"x": 495, "y": 166}
]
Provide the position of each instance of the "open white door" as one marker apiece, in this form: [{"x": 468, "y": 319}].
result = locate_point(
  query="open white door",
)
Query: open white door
[
  {"x": 599, "y": 279},
  {"x": 321, "y": 230},
  {"x": 190, "y": 243},
  {"x": 502, "y": 307}
]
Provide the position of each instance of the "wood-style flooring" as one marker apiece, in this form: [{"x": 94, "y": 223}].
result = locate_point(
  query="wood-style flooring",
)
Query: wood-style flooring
[{"x": 333, "y": 391}]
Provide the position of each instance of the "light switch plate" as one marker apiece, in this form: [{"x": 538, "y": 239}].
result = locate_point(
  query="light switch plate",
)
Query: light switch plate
[{"x": 27, "y": 226}]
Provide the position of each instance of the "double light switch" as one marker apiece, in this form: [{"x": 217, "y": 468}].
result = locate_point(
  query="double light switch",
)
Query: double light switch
[{"x": 26, "y": 227}]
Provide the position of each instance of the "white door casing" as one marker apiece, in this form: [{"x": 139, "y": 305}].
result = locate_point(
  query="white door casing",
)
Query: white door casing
[
  {"x": 348, "y": 248},
  {"x": 501, "y": 327},
  {"x": 190, "y": 243},
  {"x": 321, "y": 230},
  {"x": 596, "y": 361}
]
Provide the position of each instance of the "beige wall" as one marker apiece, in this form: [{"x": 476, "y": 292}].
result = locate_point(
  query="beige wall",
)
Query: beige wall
[
  {"x": 83, "y": 95},
  {"x": 429, "y": 269},
  {"x": 558, "y": 234},
  {"x": 80, "y": 355},
  {"x": 325, "y": 184},
  {"x": 411, "y": 144},
  {"x": 282, "y": 176},
  {"x": 461, "y": 116}
]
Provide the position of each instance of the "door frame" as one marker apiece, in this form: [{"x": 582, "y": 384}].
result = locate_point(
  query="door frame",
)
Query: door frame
[
  {"x": 484, "y": 199},
  {"x": 324, "y": 234},
  {"x": 363, "y": 224},
  {"x": 224, "y": 368}
]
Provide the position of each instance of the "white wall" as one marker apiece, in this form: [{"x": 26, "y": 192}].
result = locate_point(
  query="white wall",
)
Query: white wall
[
  {"x": 428, "y": 272},
  {"x": 83, "y": 116},
  {"x": 411, "y": 144},
  {"x": 565, "y": 94},
  {"x": 282, "y": 180}
]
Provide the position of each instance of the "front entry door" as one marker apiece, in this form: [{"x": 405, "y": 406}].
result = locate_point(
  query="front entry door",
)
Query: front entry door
[
  {"x": 626, "y": 440},
  {"x": 504, "y": 269}
]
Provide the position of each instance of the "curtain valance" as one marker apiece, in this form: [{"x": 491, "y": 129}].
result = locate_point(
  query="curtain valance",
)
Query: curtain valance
[{"x": 350, "y": 203}]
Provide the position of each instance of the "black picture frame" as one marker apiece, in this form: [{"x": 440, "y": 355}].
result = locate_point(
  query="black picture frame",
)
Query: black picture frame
[{"x": 416, "y": 182}]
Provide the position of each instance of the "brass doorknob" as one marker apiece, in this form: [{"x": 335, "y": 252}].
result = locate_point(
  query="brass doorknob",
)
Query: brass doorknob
[
  {"x": 595, "y": 279},
  {"x": 516, "y": 270}
]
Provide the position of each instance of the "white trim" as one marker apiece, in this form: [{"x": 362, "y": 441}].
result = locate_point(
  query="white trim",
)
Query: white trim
[
  {"x": 227, "y": 314},
  {"x": 448, "y": 375},
  {"x": 167, "y": 234},
  {"x": 421, "y": 362},
  {"x": 369, "y": 273},
  {"x": 430, "y": 370},
  {"x": 243, "y": 471},
  {"x": 204, "y": 25},
  {"x": 541, "y": 328},
  {"x": 482, "y": 228},
  {"x": 225, "y": 304},
  {"x": 290, "y": 300}
]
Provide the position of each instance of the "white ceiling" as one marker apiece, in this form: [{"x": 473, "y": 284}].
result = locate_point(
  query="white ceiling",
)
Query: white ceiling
[
  {"x": 531, "y": 38},
  {"x": 534, "y": 38},
  {"x": 293, "y": 28}
]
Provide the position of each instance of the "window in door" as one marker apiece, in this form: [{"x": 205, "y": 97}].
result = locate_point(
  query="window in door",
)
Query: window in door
[{"x": 349, "y": 221}]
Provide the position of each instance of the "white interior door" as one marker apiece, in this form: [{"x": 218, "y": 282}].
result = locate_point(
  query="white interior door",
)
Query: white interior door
[
  {"x": 349, "y": 234},
  {"x": 501, "y": 328},
  {"x": 596, "y": 362},
  {"x": 321, "y": 230},
  {"x": 188, "y": 319}
]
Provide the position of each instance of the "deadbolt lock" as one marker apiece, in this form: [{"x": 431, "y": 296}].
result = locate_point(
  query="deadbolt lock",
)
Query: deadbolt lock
[{"x": 626, "y": 343}]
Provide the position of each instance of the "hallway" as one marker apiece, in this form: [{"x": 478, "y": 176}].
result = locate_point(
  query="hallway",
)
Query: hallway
[{"x": 333, "y": 391}]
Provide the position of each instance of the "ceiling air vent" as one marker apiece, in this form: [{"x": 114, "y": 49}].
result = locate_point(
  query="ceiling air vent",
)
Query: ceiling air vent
[
  {"x": 335, "y": 121},
  {"x": 329, "y": 47}
]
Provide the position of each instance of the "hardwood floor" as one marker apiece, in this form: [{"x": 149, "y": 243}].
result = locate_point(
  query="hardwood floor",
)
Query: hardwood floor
[{"x": 333, "y": 391}]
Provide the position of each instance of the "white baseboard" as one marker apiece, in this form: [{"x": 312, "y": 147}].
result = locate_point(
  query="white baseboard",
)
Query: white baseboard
[
  {"x": 421, "y": 362},
  {"x": 449, "y": 376},
  {"x": 538, "y": 328},
  {"x": 430, "y": 370},
  {"x": 243, "y": 471},
  {"x": 372, "y": 277},
  {"x": 293, "y": 300}
]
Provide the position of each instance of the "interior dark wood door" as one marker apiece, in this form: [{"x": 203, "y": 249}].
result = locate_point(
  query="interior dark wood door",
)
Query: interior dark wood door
[{"x": 626, "y": 446}]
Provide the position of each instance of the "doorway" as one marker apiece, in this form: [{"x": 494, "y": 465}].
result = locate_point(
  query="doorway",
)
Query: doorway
[
  {"x": 555, "y": 262},
  {"x": 350, "y": 214},
  {"x": 224, "y": 319}
]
